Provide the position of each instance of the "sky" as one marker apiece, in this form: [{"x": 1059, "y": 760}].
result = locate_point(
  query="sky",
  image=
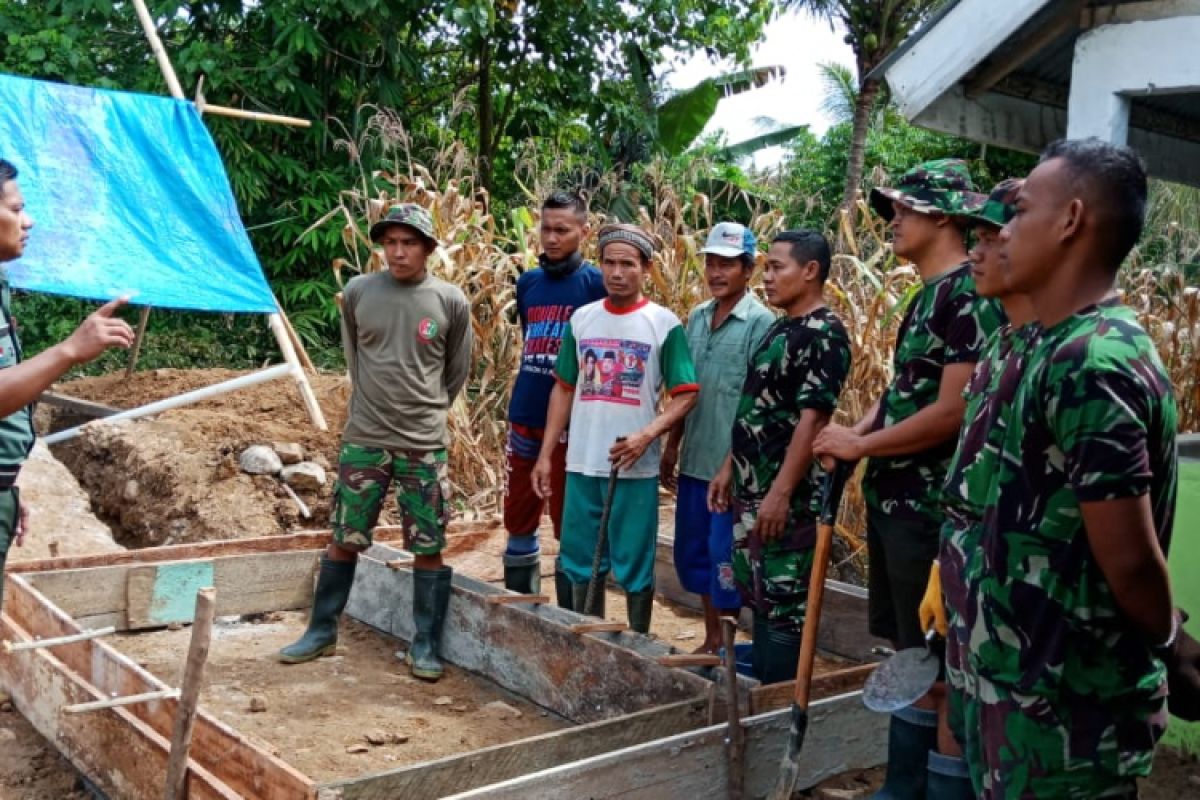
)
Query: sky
[{"x": 796, "y": 41}]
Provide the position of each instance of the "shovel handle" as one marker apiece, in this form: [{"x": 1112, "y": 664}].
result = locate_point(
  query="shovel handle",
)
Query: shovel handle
[{"x": 831, "y": 498}]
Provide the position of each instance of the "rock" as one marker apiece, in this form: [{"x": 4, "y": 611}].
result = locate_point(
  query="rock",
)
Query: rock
[
  {"x": 444, "y": 700},
  {"x": 260, "y": 460},
  {"x": 356, "y": 749},
  {"x": 321, "y": 461},
  {"x": 501, "y": 709},
  {"x": 376, "y": 738},
  {"x": 461, "y": 708},
  {"x": 685, "y": 635},
  {"x": 131, "y": 491},
  {"x": 397, "y": 738},
  {"x": 305, "y": 476},
  {"x": 258, "y": 704},
  {"x": 174, "y": 626},
  {"x": 7, "y": 736},
  {"x": 288, "y": 452}
]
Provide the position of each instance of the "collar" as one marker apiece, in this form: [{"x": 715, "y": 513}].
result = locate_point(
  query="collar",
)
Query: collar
[
  {"x": 560, "y": 269},
  {"x": 610, "y": 308},
  {"x": 741, "y": 310},
  {"x": 943, "y": 275}
]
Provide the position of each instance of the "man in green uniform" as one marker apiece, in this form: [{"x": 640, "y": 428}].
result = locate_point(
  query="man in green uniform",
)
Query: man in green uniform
[
  {"x": 909, "y": 433},
  {"x": 21, "y": 382},
  {"x": 792, "y": 385},
  {"x": 1074, "y": 613},
  {"x": 408, "y": 339},
  {"x": 969, "y": 479}
]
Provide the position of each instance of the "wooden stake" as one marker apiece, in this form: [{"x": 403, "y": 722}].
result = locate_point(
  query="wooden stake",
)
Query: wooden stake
[
  {"x": 512, "y": 599},
  {"x": 289, "y": 355},
  {"x": 257, "y": 116},
  {"x": 127, "y": 700},
  {"x": 305, "y": 361},
  {"x": 143, "y": 319},
  {"x": 37, "y": 644},
  {"x": 156, "y": 46},
  {"x": 193, "y": 674},
  {"x": 736, "y": 736}
]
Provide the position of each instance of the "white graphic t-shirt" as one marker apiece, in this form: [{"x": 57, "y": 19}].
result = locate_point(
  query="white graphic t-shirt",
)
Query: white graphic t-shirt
[{"x": 617, "y": 361}]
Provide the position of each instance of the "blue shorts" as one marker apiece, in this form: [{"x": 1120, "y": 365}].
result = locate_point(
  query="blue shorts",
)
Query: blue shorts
[{"x": 704, "y": 545}]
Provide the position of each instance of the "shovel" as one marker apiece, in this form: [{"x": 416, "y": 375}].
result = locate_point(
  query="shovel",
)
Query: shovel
[
  {"x": 831, "y": 498},
  {"x": 898, "y": 682}
]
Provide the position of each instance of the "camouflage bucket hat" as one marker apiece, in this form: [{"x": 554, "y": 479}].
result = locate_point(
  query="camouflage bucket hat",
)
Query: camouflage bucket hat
[
  {"x": 1000, "y": 206},
  {"x": 409, "y": 214},
  {"x": 943, "y": 186}
]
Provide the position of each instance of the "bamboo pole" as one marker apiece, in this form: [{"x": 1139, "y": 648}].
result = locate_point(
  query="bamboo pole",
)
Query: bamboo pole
[
  {"x": 127, "y": 700},
  {"x": 305, "y": 361},
  {"x": 289, "y": 355},
  {"x": 736, "y": 738},
  {"x": 193, "y": 675},
  {"x": 143, "y": 320},
  {"x": 156, "y": 46},
  {"x": 257, "y": 116},
  {"x": 37, "y": 644}
]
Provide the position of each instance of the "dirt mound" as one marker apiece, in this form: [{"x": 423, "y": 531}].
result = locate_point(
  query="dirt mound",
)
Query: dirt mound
[{"x": 174, "y": 479}]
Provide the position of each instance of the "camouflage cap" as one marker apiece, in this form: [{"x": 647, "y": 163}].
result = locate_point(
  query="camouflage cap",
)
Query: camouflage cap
[
  {"x": 1000, "y": 206},
  {"x": 942, "y": 186},
  {"x": 409, "y": 214}
]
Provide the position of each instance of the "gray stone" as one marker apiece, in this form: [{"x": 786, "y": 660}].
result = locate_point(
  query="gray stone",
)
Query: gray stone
[
  {"x": 258, "y": 704},
  {"x": 131, "y": 492},
  {"x": 289, "y": 452},
  {"x": 305, "y": 476},
  {"x": 260, "y": 460},
  {"x": 501, "y": 710}
]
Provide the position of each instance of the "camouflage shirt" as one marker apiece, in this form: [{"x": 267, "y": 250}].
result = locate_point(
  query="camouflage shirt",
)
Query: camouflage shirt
[
  {"x": 801, "y": 363},
  {"x": 946, "y": 323},
  {"x": 1093, "y": 419}
]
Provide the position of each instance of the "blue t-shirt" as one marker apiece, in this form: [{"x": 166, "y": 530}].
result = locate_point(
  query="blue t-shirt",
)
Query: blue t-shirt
[{"x": 545, "y": 304}]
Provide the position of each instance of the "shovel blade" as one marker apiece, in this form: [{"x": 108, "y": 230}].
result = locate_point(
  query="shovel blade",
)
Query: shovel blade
[{"x": 901, "y": 680}]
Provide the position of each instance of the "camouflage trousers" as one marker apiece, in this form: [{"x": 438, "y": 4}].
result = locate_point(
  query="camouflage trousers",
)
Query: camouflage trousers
[
  {"x": 364, "y": 475},
  {"x": 772, "y": 577},
  {"x": 10, "y": 502},
  {"x": 1021, "y": 746}
]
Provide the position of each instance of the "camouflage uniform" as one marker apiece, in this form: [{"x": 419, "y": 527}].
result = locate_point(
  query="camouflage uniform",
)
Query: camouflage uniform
[
  {"x": 1070, "y": 700},
  {"x": 422, "y": 487},
  {"x": 800, "y": 364},
  {"x": 16, "y": 433}
]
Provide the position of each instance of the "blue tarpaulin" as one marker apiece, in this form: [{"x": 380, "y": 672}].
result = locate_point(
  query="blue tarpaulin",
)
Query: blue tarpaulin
[{"x": 129, "y": 196}]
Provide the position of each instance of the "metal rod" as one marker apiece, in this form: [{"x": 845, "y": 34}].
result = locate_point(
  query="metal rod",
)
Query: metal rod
[
  {"x": 128, "y": 700},
  {"x": 37, "y": 644}
]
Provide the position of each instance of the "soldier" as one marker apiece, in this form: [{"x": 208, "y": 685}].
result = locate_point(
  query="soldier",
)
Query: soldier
[
  {"x": 21, "y": 382},
  {"x": 969, "y": 480},
  {"x": 791, "y": 388},
  {"x": 623, "y": 324},
  {"x": 1074, "y": 614},
  {"x": 407, "y": 336},
  {"x": 909, "y": 433},
  {"x": 722, "y": 333},
  {"x": 546, "y": 298}
]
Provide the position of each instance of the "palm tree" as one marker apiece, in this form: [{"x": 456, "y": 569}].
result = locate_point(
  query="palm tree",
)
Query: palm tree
[{"x": 874, "y": 28}]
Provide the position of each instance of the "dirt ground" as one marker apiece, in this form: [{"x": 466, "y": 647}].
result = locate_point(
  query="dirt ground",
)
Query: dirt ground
[{"x": 313, "y": 712}]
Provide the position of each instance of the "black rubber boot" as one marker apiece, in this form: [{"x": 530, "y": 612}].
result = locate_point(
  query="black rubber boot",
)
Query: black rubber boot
[
  {"x": 522, "y": 574},
  {"x": 641, "y": 606},
  {"x": 948, "y": 778},
  {"x": 579, "y": 598},
  {"x": 562, "y": 587},
  {"x": 775, "y": 652},
  {"x": 333, "y": 590},
  {"x": 912, "y": 735},
  {"x": 431, "y": 596}
]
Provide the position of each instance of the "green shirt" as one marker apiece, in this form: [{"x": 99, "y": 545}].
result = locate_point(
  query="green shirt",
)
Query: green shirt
[
  {"x": 721, "y": 358},
  {"x": 16, "y": 430}
]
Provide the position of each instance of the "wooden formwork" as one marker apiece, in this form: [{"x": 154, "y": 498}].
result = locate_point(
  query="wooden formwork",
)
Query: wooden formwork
[{"x": 624, "y": 704}]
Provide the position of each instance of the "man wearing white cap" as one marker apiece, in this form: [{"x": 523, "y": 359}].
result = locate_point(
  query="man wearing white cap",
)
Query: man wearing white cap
[{"x": 722, "y": 333}]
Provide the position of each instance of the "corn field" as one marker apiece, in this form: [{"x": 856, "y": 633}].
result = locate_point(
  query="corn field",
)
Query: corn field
[{"x": 484, "y": 256}]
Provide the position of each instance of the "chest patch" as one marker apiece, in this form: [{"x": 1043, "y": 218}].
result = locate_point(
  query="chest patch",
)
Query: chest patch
[{"x": 427, "y": 329}]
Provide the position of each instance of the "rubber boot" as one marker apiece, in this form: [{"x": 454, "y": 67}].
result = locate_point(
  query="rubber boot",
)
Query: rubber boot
[
  {"x": 948, "y": 778},
  {"x": 333, "y": 590},
  {"x": 641, "y": 606},
  {"x": 522, "y": 574},
  {"x": 562, "y": 587},
  {"x": 912, "y": 735},
  {"x": 579, "y": 598},
  {"x": 776, "y": 652},
  {"x": 431, "y": 596}
]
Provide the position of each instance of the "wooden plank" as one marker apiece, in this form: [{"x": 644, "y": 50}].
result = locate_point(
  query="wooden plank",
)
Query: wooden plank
[
  {"x": 599, "y": 627},
  {"x": 159, "y": 594},
  {"x": 582, "y": 678},
  {"x": 232, "y": 758},
  {"x": 98, "y": 671},
  {"x": 779, "y": 695},
  {"x": 512, "y": 599},
  {"x": 842, "y": 735},
  {"x": 246, "y": 584},
  {"x": 689, "y": 660},
  {"x": 78, "y": 407},
  {"x": 461, "y": 773}
]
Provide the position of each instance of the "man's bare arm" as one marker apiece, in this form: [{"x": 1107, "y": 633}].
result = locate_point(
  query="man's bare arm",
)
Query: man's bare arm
[{"x": 626, "y": 452}]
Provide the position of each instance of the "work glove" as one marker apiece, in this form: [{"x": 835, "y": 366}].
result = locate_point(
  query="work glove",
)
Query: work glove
[{"x": 932, "y": 611}]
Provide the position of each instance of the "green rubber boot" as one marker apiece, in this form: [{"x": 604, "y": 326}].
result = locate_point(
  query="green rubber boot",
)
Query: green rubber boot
[
  {"x": 333, "y": 590},
  {"x": 579, "y": 598},
  {"x": 775, "y": 652},
  {"x": 641, "y": 606},
  {"x": 522, "y": 574},
  {"x": 562, "y": 587},
  {"x": 431, "y": 596}
]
